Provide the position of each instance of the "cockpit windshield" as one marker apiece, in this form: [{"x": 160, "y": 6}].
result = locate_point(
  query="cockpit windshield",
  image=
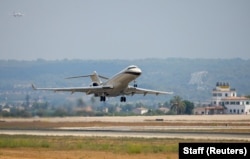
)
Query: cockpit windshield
[{"x": 131, "y": 67}]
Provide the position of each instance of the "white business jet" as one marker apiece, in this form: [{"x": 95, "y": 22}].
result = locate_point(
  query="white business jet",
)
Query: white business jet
[
  {"x": 118, "y": 85},
  {"x": 17, "y": 14}
]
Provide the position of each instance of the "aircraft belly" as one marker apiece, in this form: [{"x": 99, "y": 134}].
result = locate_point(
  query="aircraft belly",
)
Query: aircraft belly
[
  {"x": 120, "y": 83},
  {"x": 124, "y": 80}
]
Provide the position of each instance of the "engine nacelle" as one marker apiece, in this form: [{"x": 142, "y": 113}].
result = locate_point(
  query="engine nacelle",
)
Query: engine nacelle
[{"x": 94, "y": 84}]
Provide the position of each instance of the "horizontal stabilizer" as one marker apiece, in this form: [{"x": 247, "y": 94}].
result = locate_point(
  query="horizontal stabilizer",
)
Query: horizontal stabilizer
[
  {"x": 103, "y": 77},
  {"x": 33, "y": 86}
]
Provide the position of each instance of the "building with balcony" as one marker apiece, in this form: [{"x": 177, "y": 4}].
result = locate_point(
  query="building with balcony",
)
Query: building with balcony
[{"x": 224, "y": 95}]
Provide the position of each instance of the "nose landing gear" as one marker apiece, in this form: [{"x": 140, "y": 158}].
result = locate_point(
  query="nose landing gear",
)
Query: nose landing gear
[{"x": 135, "y": 84}]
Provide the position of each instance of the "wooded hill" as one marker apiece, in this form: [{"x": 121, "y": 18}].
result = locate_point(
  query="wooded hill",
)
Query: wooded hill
[{"x": 192, "y": 79}]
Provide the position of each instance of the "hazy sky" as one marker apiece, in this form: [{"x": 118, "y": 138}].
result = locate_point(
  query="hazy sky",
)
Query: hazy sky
[{"x": 124, "y": 29}]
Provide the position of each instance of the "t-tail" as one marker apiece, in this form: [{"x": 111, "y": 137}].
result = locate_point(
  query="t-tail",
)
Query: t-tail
[{"x": 96, "y": 81}]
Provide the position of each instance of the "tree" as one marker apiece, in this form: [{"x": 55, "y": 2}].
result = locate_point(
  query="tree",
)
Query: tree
[
  {"x": 189, "y": 106},
  {"x": 177, "y": 105},
  {"x": 166, "y": 104},
  {"x": 127, "y": 108},
  {"x": 60, "y": 112},
  {"x": 27, "y": 99},
  {"x": 248, "y": 96},
  {"x": 93, "y": 100},
  {"x": 81, "y": 103}
]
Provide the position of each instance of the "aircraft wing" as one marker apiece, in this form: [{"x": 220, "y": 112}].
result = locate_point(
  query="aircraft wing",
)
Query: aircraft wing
[
  {"x": 87, "y": 90},
  {"x": 136, "y": 90}
]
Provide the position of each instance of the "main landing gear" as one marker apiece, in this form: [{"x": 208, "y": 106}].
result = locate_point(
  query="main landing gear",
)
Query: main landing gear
[
  {"x": 123, "y": 99},
  {"x": 102, "y": 98}
]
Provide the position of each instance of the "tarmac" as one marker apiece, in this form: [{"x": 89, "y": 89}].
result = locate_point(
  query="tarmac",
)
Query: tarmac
[{"x": 223, "y": 132}]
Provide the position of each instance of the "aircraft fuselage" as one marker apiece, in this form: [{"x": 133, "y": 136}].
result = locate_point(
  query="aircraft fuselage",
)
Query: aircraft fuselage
[
  {"x": 118, "y": 85},
  {"x": 121, "y": 80}
]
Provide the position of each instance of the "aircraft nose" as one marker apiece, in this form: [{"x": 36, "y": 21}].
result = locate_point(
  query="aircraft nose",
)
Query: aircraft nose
[
  {"x": 133, "y": 70},
  {"x": 137, "y": 70}
]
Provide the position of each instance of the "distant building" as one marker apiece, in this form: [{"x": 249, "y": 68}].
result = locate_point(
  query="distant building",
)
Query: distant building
[
  {"x": 118, "y": 109},
  {"x": 83, "y": 109},
  {"x": 225, "y": 101},
  {"x": 237, "y": 105},
  {"x": 209, "y": 110},
  {"x": 164, "y": 109},
  {"x": 6, "y": 110},
  {"x": 105, "y": 110},
  {"x": 227, "y": 97},
  {"x": 140, "y": 111}
]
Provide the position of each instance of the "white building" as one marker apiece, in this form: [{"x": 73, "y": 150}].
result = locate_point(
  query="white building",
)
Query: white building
[
  {"x": 225, "y": 96},
  {"x": 140, "y": 111},
  {"x": 209, "y": 110}
]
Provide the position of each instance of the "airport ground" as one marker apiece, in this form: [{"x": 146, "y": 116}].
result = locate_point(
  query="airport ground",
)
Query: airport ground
[{"x": 115, "y": 137}]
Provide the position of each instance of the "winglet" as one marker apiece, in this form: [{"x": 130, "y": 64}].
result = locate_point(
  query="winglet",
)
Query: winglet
[{"x": 34, "y": 88}]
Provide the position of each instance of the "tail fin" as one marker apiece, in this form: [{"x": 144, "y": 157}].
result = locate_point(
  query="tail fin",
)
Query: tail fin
[{"x": 95, "y": 79}]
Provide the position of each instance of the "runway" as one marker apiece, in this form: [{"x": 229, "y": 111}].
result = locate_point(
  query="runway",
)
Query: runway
[
  {"x": 128, "y": 132},
  {"x": 214, "y": 127},
  {"x": 172, "y": 118}
]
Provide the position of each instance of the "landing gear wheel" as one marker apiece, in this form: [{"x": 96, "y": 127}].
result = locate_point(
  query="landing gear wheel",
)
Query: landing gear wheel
[
  {"x": 102, "y": 98},
  {"x": 123, "y": 99},
  {"x": 135, "y": 84}
]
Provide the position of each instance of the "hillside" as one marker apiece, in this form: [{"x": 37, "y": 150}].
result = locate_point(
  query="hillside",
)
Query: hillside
[{"x": 192, "y": 79}]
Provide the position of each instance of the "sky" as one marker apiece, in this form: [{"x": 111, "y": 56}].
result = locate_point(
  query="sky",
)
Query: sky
[{"x": 124, "y": 29}]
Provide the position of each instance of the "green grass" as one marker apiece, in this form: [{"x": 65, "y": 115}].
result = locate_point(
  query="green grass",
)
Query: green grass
[
  {"x": 116, "y": 145},
  {"x": 108, "y": 144},
  {"x": 22, "y": 141}
]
